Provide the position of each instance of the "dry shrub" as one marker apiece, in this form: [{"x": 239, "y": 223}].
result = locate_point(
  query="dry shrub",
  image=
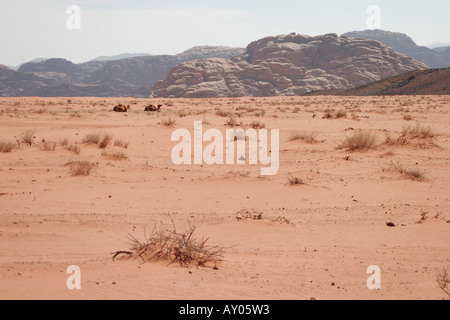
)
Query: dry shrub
[
  {"x": 341, "y": 114},
  {"x": 28, "y": 137},
  {"x": 73, "y": 148},
  {"x": 415, "y": 175},
  {"x": 7, "y": 146},
  {"x": 310, "y": 137},
  {"x": 257, "y": 125},
  {"x": 64, "y": 142},
  {"x": 93, "y": 138},
  {"x": 115, "y": 155},
  {"x": 102, "y": 140},
  {"x": 82, "y": 168},
  {"x": 168, "y": 122},
  {"x": 105, "y": 141},
  {"x": 231, "y": 122},
  {"x": 417, "y": 132},
  {"x": 180, "y": 248},
  {"x": 294, "y": 181},
  {"x": 443, "y": 280},
  {"x": 360, "y": 141},
  {"x": 223, "y": 114},
  {"x": 121, "y": 143}
]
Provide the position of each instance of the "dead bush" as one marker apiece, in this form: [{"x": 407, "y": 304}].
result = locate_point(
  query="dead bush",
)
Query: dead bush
[
  {"x": 82, "y": 168},
  {"x": 360, "y": 141},
  {"x": 175, "y": 247},
  {"x": 7, "y": 146}
]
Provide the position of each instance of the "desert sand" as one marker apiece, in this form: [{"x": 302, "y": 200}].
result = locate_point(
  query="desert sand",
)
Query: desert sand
[{"x": 315, "y": 239}]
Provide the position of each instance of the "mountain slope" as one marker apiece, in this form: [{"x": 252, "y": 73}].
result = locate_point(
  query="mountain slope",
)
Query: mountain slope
[
  {"x": 422, "y": 82},
  {"x": 287, "y": 65},
  {"x": 404, "y": 44}
]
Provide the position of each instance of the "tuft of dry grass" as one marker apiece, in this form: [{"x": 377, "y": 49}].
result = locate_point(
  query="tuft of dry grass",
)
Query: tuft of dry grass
[
  {"x": 28, "y": 137},
  {"x": 310, "y": 137},
  {"x": 417, "y": 132},
  {"x": 82, "y": 168},
  {"x": 231, "y": 122},
  {"x": 105, "y": 141},
  {"x": 93, "y": 138},
  {"x": 175, "y": 247},
  {"x": 294, "y": 181},
  {"x": 7, "y": 146},
  {"x": 415, "y": 175},
  {"x": 121, "y": 143},
  {"x": 443, "y": 280},
  {"x": 102, "y": 140},
  {"x": 73, "y": 148},
  {"x": 360, "y": 141},
  {"x": 115, "y": 156},
  {"x": 168, "y": 122},
  {"x": 257, "y": 125}
]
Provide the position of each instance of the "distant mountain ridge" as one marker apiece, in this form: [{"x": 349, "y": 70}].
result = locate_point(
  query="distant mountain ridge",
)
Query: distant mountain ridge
[
  {"x": 124, "y": 77},
  {"x": 402, "y": 43}
]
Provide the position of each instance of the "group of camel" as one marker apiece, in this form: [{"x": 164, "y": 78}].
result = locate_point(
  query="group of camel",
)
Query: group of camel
[{"x": 122, "y": 108}]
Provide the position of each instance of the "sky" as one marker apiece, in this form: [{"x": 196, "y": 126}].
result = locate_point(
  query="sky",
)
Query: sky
[{"x": 32, "y": 29}]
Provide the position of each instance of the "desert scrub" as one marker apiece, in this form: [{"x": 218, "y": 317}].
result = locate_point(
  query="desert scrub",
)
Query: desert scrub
[
  {"x": 81, "y": 168},
  {"x": 48, "y": 146},
  {"x": 417, "y": 132},
  {"x": 28, "y": 137},
  {"x": 310, "y": 137},
  {"x": 7, "y": 146},
  {"x": 257, "y": 125},
  {"x": 115, "y": 156},
  {"x": 172, "y": 246},
  {"x": 360, "y": 141},
  {"x": 102, "y": 140},
  {"x": 167, "y": 122},
  {"x": 413, "y": 174},
  {"x": 74, "y": 148},
  {"x": 121, "y": 143},
  {"x": 295, "y": 181}
]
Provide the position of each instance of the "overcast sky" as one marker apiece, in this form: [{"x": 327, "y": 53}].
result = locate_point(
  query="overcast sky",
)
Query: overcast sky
[{"x": 38, "y": 28}]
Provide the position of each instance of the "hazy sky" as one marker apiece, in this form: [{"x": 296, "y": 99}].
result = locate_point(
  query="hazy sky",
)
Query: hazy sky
[{"x": 38, "y": 28}]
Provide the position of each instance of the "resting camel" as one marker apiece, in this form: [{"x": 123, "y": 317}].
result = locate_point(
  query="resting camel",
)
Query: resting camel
[
  {"x": 121, "y": 108},
  {"x": 153, "y": 108}
]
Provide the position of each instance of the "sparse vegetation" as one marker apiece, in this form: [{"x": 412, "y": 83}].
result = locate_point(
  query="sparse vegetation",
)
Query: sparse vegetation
[
  {"x": 231, "y": 122},
  {"x": 257, "y": 125},
  {"x": 416, "y": 174},
  {"x": 105, "y": 141},
  {"x": 294, "y": 181},
  {"x": 7, "y": 146},
  {"x": 168, "y": 122},
  {"x": 102, "y": 140},
  {"x": 74, "y": 148},
  {"x": 121, "y": 144},
  {"x": 82, "y": 168},
  {"x": 28, "y": 137},
  {"x": 443, "y": 280},
  {"x": 417, "y": 132},
  {"x": 180, "y": 248},
  {"x": 115, "y": 155},
  {"x": 310, "y": 137},
  {"x": 360, "y": 141}
]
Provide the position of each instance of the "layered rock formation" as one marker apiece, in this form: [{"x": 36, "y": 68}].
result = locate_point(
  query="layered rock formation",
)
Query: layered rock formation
[
  {"x": 404, "y": 44},
  {"x": 287, "y": 65}
]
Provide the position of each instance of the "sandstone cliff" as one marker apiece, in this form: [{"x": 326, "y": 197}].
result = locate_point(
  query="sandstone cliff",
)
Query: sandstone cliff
[{"x": 287, "y": 65}]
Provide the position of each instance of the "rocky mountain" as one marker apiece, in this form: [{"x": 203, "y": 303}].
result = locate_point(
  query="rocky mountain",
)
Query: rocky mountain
[
  {"x": 125, "y": 77},
  {"x": 287, "y": 65},
  {"x": 425, "y": 82},
  {"x": 404, "y": 44}
]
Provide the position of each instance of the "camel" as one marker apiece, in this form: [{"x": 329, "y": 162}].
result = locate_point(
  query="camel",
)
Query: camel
[
  {"x": 121, "y": 108},
  {"x": 153, "y": 108}
]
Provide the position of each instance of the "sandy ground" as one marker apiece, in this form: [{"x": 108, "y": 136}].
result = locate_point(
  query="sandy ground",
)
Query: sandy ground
[{"x": 314, "y": 240}]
